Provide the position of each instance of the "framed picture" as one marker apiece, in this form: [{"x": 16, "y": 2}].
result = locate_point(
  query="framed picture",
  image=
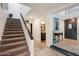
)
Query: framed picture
[
  {"x": 56, "y": 24},
  {"x": 42, "y": 27},
  {"x": 69, "y": 26}
]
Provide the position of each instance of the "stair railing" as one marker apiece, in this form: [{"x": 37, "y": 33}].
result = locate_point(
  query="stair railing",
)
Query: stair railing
[{"x": 29, "y": 32}]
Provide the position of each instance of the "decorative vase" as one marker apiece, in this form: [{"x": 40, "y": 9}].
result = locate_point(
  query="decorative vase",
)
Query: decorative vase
[{"x": 10, "y": 15}]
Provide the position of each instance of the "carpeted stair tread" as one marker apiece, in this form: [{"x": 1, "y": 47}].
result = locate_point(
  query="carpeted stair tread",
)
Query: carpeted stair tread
[
  {"x": 12, "y": 36},
  {"x": 12, "y": 32},
  {"x": 12, "y": 40},
  {"x": 24, "y": 54},
  {"x": 11, "y": 44},
  {"x": 16, "y": 51}
]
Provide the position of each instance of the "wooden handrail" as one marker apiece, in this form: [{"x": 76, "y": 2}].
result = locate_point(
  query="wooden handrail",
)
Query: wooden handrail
[{"x": 30, "y": 35}]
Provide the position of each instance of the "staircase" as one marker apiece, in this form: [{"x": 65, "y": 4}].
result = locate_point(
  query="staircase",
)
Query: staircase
[{"x": 13, "y": 41}]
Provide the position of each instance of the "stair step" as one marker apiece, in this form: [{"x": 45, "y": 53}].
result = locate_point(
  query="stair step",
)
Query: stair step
[
  {"x": 13, "y": 41},
  {"x": 24, "y": 54},
  {"x": 12, "y": 36},
  {"x": 4, "y": 54},
  {"x": 13, "y": 32},
  {"x": 13, "y": 20},
  {"x": 14, "y": 29},
  {"x": 4, "y": 47},
  {"x": 13, "y": 23},
  {"x": 13, "y": 26},
  {"x": 6, "y": 41},
  {"x": 18, "y": 50}
]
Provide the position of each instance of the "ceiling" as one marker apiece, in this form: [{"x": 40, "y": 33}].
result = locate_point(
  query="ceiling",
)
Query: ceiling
[{"x": 41, "y": 9}]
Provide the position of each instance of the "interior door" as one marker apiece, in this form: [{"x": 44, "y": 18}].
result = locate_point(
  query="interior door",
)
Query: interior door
[{"x": 71, "y": 29}]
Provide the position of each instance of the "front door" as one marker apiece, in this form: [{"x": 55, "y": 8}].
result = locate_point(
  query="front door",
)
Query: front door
[{"x": 71, "y": 28}]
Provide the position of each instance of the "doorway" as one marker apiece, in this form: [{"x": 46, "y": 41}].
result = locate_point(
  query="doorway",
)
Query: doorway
[
  {"x": 71, "y": 28},
  {"x": 43, "y": 31}
]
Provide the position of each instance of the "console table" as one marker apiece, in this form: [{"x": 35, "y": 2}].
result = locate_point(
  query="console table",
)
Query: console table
[{"x": 58, "y": 35}]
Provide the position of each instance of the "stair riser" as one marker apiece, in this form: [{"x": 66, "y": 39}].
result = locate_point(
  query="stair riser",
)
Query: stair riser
[
  {"x": 24, "y": 54},
  {"x": 13, "y": 30},
  {"x": 4, "y": 54},
  {"x": 3, "y": 48},
  {"x": 20, "y": 51},
  {"x": 12, "y": 26},
  {"x": 13, "y": 22},
  {"x": 7, "y": 33},
  {"x": 6, "y": 37},
  {"x": 12, "y": 41}
]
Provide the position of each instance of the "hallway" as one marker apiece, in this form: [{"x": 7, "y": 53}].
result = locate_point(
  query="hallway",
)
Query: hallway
[{"x": 42, "y": 50}]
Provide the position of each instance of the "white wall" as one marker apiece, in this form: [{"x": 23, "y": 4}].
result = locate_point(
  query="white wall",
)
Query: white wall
[
  {"x": 69, "y": 16},
  {"x": 24, "y": 10},
  {"x": 36, "y": 29},
  {"x": 49, "y": 30},
  {"x": 3, "y": 18},
  {"x": 16, "y": 9},
  {"x": 30, "y": 42},
  {"x": 49, "y": 26},
  {"x": 61, "y": 26}
]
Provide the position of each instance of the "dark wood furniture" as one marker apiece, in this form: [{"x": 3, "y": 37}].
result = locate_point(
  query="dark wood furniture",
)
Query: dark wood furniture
[
  {"x": 43, "y": 36},
  {"x": 58, "y": 35}
]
